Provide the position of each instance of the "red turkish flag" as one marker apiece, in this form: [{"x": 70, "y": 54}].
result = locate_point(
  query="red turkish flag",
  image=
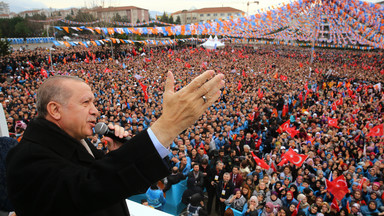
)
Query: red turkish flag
[
  {"x": 339, "y": 102},
  {"x": 273, "y": 167},
  {"x": 292, "y": 131},
  {"x": 285, "y": 110},
  {"x": 284, "y": 126},
  {"x": 144, "y": 88},
  {"x": 30, "y": 65},
  {"x": 239, "y": 86},
  {"x": 306, "y": 86},
  {"x": 258, "y": 143},
  {"x": 362, "y": 182},
  {"x": 301, "y": 97},
  {"x": 356, "y": 111},
  {"x": 334, "y": 106},
  {"x": 260, "y": 162},
  {"x": 86, "y": 60},
  {"x": 282, "y": 162},
  {"x": 44, "y": 72},
  {"x": 251, "y": 116},
  {"x": 350, "y": 92},
  {"x": 377, "y": 131},
  {"x": 338, "y": 187},
  {"x": 260, "y": 94},
  {"x": 244, "y": 74},
  {"x": 296, "y": 211},
  {"x": 295, "y": 158},
  {"x": 333, "y": 122},
  {"x": 357, "y": 138},
  {"x": 335, "y": 205},
  {"x": 187, "y": 65},
  {"x": 107, "y": 70},
  {"x": 284, "y": 78}
]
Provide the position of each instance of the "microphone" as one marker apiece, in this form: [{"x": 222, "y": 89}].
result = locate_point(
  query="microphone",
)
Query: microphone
[{"x": 103, "y": 129}]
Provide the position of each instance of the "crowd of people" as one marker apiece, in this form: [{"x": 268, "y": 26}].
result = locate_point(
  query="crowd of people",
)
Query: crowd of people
[{"x": 266, "y": 86}]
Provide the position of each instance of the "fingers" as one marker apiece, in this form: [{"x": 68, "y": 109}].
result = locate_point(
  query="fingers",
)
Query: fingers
[
  {"x": 210, "y": 88},
  {"x": 119, "y": 131},
  {"x": 199, "y": 81},
  {"x": 169, "y": 83}
]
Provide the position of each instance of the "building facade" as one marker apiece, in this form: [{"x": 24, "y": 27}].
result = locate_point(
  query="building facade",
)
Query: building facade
[
  {"x": 205, "y": 14},
  {"x": 129, "y": 14},
  {"x": 4, "y": 8}
]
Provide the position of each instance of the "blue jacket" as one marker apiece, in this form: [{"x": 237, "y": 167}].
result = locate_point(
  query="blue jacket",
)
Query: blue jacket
[{"x": 155, "y": 198}]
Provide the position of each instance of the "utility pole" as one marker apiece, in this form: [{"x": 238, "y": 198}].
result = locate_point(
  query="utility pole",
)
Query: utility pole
[
  {"x": 314, "y": 32},
  {"x": 111, "y": 47}
]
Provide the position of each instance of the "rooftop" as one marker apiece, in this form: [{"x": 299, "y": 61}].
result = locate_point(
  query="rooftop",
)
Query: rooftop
[
  {"x": 30, "y": 11},
  {"x": 100, "y": 9},
  {"x": 210, "y": 10}
]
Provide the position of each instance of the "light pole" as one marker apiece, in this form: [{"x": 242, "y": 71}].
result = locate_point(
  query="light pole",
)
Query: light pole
[
  {"x": 314, "y": 31},
  {"x": 251, "y": 2}
]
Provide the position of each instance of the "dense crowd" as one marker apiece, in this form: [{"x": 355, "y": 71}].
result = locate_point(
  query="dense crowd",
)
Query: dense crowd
[{"x": 266, "y": 86}]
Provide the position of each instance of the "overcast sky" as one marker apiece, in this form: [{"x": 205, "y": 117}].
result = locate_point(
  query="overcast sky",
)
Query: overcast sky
[{"x": 152, "y": 5}]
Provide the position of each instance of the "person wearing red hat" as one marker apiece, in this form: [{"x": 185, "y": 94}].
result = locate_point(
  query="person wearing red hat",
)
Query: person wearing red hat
[
  {"x": 289, "y": 199},
  {"x": 372, "y": 157}
]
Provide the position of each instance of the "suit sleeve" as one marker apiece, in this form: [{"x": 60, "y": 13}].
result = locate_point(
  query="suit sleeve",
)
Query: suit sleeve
[{"x": 65, "y": 185}]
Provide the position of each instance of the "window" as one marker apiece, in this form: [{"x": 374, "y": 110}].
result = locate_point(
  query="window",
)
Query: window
[
  {"x": 222, "y": 14},
  {"x": 215, "y": 14},
  {"x": 229, "y": 14},
  {"x": 194, "y": 18},
  {"x": 201, "y": 15},
  {"x": 208, "y": 14}
]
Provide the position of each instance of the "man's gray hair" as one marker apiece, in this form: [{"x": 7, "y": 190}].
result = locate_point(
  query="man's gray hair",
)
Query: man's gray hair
[{"x": 53, "y": 90}]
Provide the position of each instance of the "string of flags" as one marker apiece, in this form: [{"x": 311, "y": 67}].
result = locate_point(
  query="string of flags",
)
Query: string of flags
[
  {"x": 101, "y": 21},
  {"x": 350, "y": 22},
  {"x": 123, "y": 41}
]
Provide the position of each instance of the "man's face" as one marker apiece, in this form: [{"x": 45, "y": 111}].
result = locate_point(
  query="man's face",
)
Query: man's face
[
  {"x": 226, "y": 177},
  {"x": 196, "y": 168},
  {"x": 78, "y": 115},
  {"x": 184, "y": 160},
  {"x": 235, "y": 170}
]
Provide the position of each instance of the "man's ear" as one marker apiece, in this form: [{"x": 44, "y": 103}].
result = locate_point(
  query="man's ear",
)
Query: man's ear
[{"x": 54, "y": 110}]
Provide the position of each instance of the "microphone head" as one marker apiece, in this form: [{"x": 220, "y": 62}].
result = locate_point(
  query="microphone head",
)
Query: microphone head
[{"x": 101, "y": 128}]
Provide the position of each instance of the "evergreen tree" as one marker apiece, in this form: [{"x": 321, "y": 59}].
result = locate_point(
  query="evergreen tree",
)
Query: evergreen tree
[
  {"x": 164, "y": 18},
  {"x": 178, "y": 20},
  {"x": 117, "y": 18},
  {"x": 4, "y": 47}
]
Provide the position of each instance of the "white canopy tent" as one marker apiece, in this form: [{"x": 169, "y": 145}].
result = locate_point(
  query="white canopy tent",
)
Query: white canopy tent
[{"x": 213, "y": 43}]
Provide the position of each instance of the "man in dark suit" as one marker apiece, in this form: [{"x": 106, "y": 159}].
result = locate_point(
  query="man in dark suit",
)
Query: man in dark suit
[
  {"x": 236, "y": 177},
  {"x": 215, "y": 175},
  {"x": 195, "y": 184},
  {"x": 223, "y": 190},
  {"x": 55, "y": 171},
  {"x": 174, "y": 178}
]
